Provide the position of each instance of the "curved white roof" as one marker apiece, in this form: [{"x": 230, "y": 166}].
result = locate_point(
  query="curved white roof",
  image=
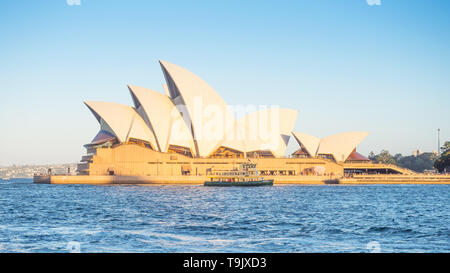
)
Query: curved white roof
[
  {"x": 206, "y": 110},
  {"x": 166, "y": 89},
  {"x": 180, "y": 135},
  {"x": 234, "y": 137},
  {"x": 341, "y": 145},
  {"x": 162, "y": 118},
  {"x": 121, "y": 120},
  {"x": 268, "y": 129},
  {"x": 311, "y": 143}
]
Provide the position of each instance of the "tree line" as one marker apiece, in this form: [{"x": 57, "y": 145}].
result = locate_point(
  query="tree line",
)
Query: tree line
[
  {"x": 442, "y": 164},
  {"x": 419, "y": 163}
]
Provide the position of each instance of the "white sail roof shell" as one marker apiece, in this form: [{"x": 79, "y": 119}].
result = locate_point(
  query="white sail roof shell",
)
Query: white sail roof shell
[
  {"x": 163, "y": 118},
  {"x": 341, "y": 145},
  {"x": 311, "y": 143},
  {"x": 267, "y": 129},
  {"x": 208, "y": 115},
  {"x": 235, "y": 137},
  {"x": 122, "y": 120},
  {"x": 166, "y": 89}
]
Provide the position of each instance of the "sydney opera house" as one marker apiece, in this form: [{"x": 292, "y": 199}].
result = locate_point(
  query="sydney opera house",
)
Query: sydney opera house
[{"x": 182, "y": 134}]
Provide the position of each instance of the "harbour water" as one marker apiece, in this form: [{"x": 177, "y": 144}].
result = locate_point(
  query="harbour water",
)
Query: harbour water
[{"x": 133, "y": 218}]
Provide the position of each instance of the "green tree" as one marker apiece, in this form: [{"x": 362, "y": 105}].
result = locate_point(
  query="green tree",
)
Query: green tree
[
  {"x": 418, "y": 163},
  {"x": 398, "y": 157},
  {"x": 384, "y": 157},
  {"x": 443, "y": 162}
]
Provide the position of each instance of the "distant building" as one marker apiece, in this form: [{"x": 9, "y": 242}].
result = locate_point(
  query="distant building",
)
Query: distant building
[{"x": 417, "y": 153}]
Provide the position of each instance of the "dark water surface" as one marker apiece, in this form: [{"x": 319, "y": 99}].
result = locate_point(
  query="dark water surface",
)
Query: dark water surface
[{"x": 333, "y": 218}]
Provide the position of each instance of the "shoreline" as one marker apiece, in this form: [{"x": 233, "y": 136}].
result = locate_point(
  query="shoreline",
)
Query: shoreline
[{"x": 278, "y": 180}]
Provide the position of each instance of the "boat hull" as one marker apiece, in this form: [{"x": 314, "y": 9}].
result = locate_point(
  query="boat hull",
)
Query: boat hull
[
  {"x": 239, "y": 184},
  {"x": 331, "y": 181}
]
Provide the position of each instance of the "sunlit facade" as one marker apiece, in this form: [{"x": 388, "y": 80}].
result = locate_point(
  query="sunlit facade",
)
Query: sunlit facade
[{"x": 190, "y": 129}]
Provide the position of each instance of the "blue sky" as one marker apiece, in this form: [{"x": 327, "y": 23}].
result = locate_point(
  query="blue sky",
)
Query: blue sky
[{"x": 345, "y": 65}]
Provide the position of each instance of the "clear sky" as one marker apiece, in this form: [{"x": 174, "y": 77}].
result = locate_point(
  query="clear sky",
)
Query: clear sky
[{"x": 345, "y": 65}]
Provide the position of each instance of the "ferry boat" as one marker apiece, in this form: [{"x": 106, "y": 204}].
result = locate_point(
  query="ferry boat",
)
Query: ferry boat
[{"x": 245, "y": 176}]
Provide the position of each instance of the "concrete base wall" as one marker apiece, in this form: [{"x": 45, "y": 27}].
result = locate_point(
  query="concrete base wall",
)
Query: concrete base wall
[
  {"x": 166, "y": 180},
  {"x": 198, "y": 180}
]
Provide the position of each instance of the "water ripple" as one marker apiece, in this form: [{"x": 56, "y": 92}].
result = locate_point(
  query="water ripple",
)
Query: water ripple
[{"x": 133, "y": 218}]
